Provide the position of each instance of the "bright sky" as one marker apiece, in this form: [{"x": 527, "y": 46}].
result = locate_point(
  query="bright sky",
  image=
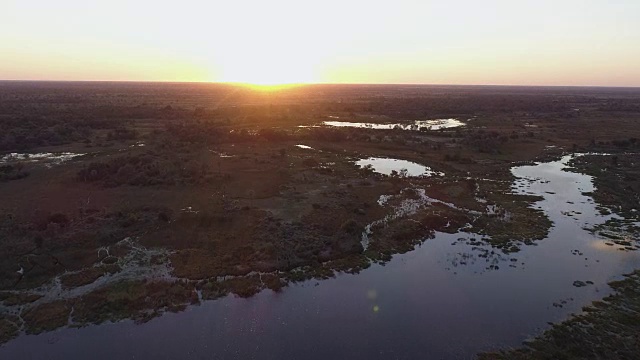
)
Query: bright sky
[{"x": 541, "y": 42}]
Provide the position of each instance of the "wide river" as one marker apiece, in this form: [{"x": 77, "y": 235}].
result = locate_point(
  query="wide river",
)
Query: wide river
[{"x": 446, "y": 299}]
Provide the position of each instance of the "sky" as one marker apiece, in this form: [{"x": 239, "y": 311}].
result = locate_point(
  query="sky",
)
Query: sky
[{"x": 542, "y": 42}]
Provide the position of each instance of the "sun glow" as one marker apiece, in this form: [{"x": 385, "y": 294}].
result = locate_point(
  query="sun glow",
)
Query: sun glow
[
  {"x": 268, "y": 87},
  {"x": 275, "y": 64},
  {"x": 265, "y": 74},
  {"x": 270, "y": 47}
]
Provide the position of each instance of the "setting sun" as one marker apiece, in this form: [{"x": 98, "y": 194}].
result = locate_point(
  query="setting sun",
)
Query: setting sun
[{"x": 279, "y": 70}]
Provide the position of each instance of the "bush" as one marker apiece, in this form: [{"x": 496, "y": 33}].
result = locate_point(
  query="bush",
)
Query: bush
[
  {"x": 351, "y": 227},
  {"x": 12, "y": 172}
]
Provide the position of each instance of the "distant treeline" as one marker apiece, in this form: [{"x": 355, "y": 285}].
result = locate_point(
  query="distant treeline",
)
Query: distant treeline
[
  {"x": 23, "y": 133},
  {"x": 421, "y": 107}
]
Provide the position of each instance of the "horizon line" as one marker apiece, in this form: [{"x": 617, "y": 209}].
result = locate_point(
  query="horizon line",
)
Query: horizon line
[{"x": 232, "y": 83}]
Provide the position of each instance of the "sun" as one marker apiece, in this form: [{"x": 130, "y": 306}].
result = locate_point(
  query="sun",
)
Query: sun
[
  {"x": 264, "y": 69},
  {"x": 266, "y": 73}
]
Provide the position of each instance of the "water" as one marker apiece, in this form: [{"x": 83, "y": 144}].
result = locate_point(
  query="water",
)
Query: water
[
  {"x": 49, "y": 158},
  {"x": 436, "y": 124},
  {"x": 446, "y": 299},
  {"x": 222, "y": 154},
  {"x": 387, "y": 166}
]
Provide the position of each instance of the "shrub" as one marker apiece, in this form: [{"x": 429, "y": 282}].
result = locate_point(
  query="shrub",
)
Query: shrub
[{"x": 351, "y": 227}]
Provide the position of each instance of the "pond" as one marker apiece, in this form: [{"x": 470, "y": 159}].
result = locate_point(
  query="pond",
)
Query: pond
[
  {"x": 304, "y": 147},
  {"x": 435, "y": 124},
  {"x": 449, "y": 298},
  {"x": 388, "y": 166},
  {"x": 45, "y": 157}
]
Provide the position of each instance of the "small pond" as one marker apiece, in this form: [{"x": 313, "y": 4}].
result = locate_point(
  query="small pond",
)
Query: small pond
[
  {"x": 436, "y": 124},
  {"x": 45, "y": 157},
  {"x": 388, "y": 166}
]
